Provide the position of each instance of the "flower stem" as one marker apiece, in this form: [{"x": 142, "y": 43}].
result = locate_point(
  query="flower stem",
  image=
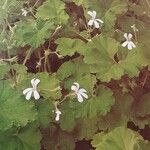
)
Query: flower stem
[{"x": 66, "y": 96}]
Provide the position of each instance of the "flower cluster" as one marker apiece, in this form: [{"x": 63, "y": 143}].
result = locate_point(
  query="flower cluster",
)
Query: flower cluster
[
  {"x": 80, "y": 93},
  {"x": 97, "y": 23},
  {"x": 29, "y": 92}
]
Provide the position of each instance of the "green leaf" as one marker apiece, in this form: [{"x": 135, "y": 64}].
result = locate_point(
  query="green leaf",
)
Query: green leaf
[
  {"x": 45, "y": 112},
  {"x": 68, "y": 46},
  {"x": 32, "y": 32},
  {"x": 120, "y": 112},
  {"x": 99, "y": 105},
  {"x": 86, "y": 128},
  {"x": 27, "y": 138},
  {"x": 66, "y": 70},
  {"x": 4, "y": 67},
  {"x": 110, "y": 72},
  {"x": 117, "y": 8},
  {"x": 19, "y": 68},
  {"x": 9, "y": 6},
  {"x": 100, "y": 56},
  {"x": 54, "y": 11},
  {"x": 49, "y": 85},
  {"x": 68, "y": 113},
  {"x": 14, "y": 109},
  {"x": 120, "y": 138}
]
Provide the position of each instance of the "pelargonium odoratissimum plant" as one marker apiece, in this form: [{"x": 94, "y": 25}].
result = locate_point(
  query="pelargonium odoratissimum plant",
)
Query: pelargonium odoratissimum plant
[{"x": 74, "y": 74}]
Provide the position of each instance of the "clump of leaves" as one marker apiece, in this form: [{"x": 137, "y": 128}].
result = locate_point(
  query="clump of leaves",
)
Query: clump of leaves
[{"x": 74, "y": 70}]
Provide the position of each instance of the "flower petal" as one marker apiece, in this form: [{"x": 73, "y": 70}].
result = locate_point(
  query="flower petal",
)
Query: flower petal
[
  {"x": 96, "y": 24},
  {"x": 126, "y": 36},
  {"x": 32, "y": 82},
  {"x": 84, "y": 95},
  {"x": 82, "y": 90},
  {"x": 90, "y": 13},
  {"x": 91, "y": 22},
  {"x": 29, "y": 94},
  {"x": 74, "y": 88},
  {"x": 36, "y": 95},
  {"x": 124, "y": 44},
  {"x": 133, "y": 45},
  {"x": 129, "y": 35},
  {"x": 57, "y": 117},
  {"x": 99, "y": 20},
  {"x": 36, "y": 82},
  {"x": 58, "y": 113},
  {"x": 80, "y": 98},
  {"x": 77, "y": 85},
  {"x": 27, "y": 90},
  {"x": 94, "y": 14},
  {"x": 129, "y": 46}
]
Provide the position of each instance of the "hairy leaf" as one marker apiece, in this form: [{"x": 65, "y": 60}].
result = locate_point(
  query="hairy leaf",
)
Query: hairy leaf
[
  {"x": 120, "y": 138},
  {"x": 14, "y": 109},
  {"x": 53, "y": 10},
  {"x": 27, "y": 138}
]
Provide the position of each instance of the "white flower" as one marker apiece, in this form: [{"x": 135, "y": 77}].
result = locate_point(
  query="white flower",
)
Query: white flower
[
  {"x": 130, "y": 45},
  {"x": 24, "y": 12},
  {"x": 58, "y": 113},
  {"x": 134, "y": 28},
  {"x": 80, "y": 93},
  {"x": 93, "y": 21},
  {"x": 32, "y": 91}
]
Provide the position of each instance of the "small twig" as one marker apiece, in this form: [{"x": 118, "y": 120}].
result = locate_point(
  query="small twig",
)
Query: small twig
[
  {"x": 66, "y": 96},
  {"x": 27, "y": 56},
  {"x": 145, "y": 78}
]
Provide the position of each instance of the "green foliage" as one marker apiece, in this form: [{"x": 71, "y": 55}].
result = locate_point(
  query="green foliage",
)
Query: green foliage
[
  {"x": 27, "y": 138},
  {"x": 49, "y": 85},
  {"x": 71, "y": 116},
  {"x": 53, "y": 10},
  {"x": 55, "y": 44},
  {"x": 45, "y": 112},
  {"x": 66, "y": 70},
  {"x": 68, "y": 46},
  {"x": 7, "y": 7},
  {"x": 15, "y": 110},
  {"x": 32, "y": 32},
  {"x": 117, "y": 139},
  {"x": 99, "y": 105},
  {"x": 4, "y": 67}
]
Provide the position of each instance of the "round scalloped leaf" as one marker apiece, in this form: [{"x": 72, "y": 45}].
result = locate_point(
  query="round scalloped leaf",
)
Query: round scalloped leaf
[
  {"x": 142, "y": 108},
  {"x": 15, "y": 110},
  {"x": 120, "y": 138},
  {"x": 27, "y": 138},
  {"x": 53, "y": 10},
  {"x": 66, "y": 70},
  {"x": 49, "y": 85},
  {"x": 45, "y": 112},
  {"x": 32, "y": 32},
  {"x": 67, "y": 46},
  {"x": 99, "y": 105}
]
